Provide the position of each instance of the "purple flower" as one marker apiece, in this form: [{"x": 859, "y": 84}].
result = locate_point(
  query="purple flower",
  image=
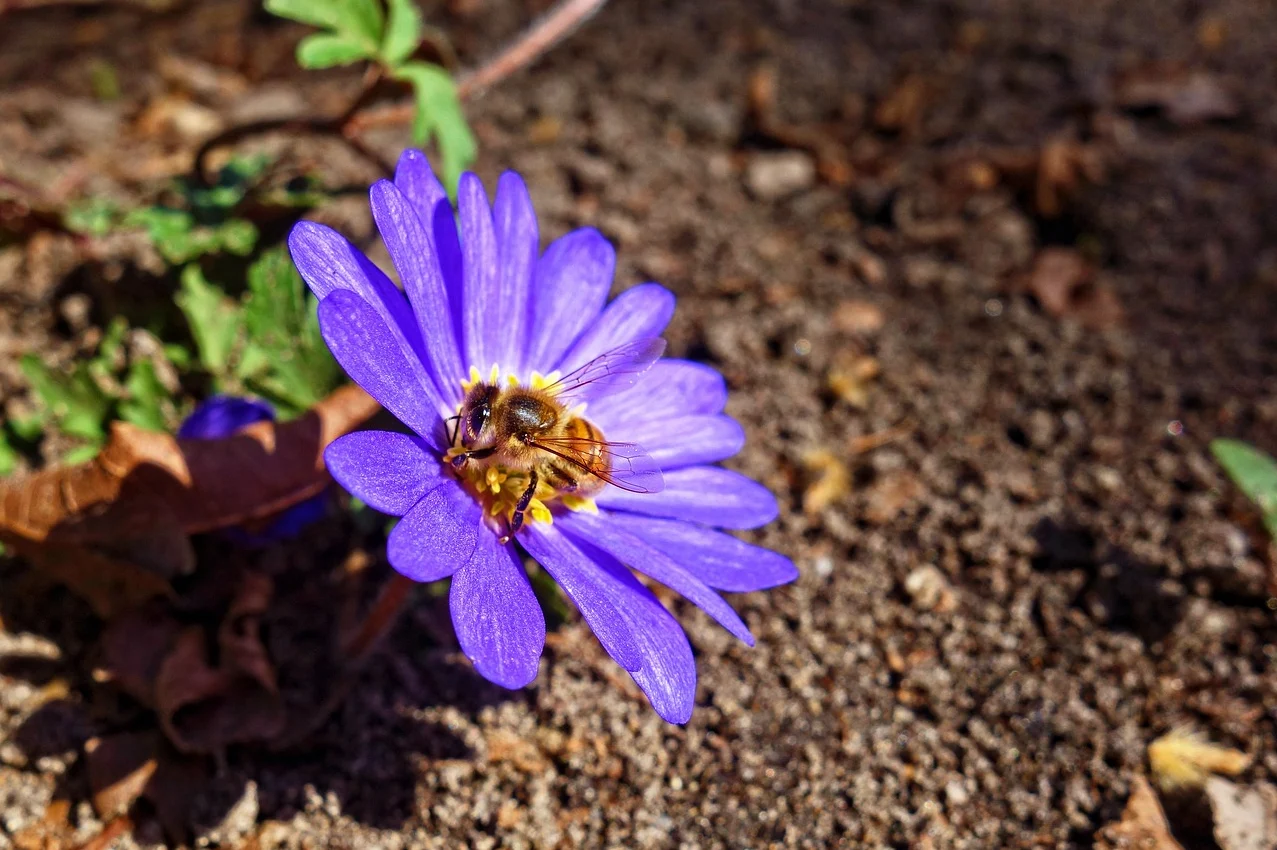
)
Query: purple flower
[
  {"x": 484, "y": 309},
  {"x": 221, "y": 416}
]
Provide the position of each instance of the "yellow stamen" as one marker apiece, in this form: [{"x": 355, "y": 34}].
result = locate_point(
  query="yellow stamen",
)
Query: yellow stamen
[{"x": 579, "y": 503}]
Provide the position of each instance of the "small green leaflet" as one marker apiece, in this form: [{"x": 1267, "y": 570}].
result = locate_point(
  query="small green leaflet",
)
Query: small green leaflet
[
  {"x": 214, "y": 319},
  {"x": 148, "y": 403},
  {"x": 328, "y": 50},
  {"x": 284, "y": 357},
  {"x": 403, "y": 32},
  {"x": 439, "y": 117},
  {"x": 1254, "y": 472},
  {"x": 354, "y": 29},
  {"x": 8, "y": 455},
  {"x": 75, "y": 402}
]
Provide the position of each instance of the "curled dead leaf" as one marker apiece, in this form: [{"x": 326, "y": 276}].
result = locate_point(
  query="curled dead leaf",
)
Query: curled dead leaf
[
  {"x": 131, "y": 766},
  {"x": 850, "y": 377},
  {"x": 901, "y": 109},
  {"x": 891, "y": 494},
  {"x": 1143, "y": 825},
  {"x": 115, "y": 528},
  {"x": 1067, "y": 287},
  {"x": 830, "y": 481},
  {"x": 208, "y": 700}
]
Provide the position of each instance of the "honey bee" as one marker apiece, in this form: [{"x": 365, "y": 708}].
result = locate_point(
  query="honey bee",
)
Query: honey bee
[{"x": 540, "y": 432}]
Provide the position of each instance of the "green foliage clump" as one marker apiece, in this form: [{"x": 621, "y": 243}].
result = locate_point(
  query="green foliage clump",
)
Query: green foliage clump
[
  {"x": 266, "y": 343},
  {"x": 81, "y": 402},
  {"x": 362, "y": 31}
]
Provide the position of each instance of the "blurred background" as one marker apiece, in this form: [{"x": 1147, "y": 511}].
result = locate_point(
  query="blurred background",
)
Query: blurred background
[{"x": 985, "y": 277}]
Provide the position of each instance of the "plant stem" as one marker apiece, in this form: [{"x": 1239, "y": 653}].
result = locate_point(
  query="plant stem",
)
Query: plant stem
[{"x": 380, "y": 619}]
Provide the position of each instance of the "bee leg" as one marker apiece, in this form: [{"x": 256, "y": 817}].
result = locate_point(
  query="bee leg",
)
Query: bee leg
[{"x": 516, "y": 519}]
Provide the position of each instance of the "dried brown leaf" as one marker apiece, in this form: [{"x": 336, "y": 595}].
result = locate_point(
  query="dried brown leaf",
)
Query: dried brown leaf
[
  {"x": 830, "y": 481},
  {"x": 130, "y": 766},
  {"x": 901, "y": 109},
  {"x": 134, "y": 647},
  {"x": 205, "y": 705},
  {"x": 1068, "y": 288},
  {"x": 1063, "y": 166},
  {"x": 890, "y": 495},
  {"x": 115, "y": 528},
  {"x": 119, "y": 767},
  {"x": 1143, "y": 825},
  {"x": 858, "y": 317},
  {"x": 850, "y": 377}
]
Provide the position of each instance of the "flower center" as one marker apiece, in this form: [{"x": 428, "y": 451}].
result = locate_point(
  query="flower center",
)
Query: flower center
[{"x": 501, "y": 480}]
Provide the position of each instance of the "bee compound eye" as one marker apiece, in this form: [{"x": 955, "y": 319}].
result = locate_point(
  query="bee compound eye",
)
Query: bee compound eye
[{"x": 476, "y": 421}]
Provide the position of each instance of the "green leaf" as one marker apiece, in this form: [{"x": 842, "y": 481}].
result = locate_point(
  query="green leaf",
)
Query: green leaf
[
  {"x": 147, "y": 398},
  {"x": 439, "y": 116},
  {"x": 1254, "y": 472},
  {"x": 92, "y": 216},
  {"x": 326, "y": 50},
  {"x": 361, "y": 20},
  {"x": 80, "y": 454},
  {"x": 27, "y": 428},
  {"x": 78, "y": 405},
  {"x": 317, "y": 13},
  {"x": 237, "y": 236},
  {"x": 403, "y": 32},
  {"x": 179, "y": 355},
  {"x": 8, "y": 456},
  {"x": 169, "y": 230},
  {"x": 112, "y": 345},
  {"x": 285, "y": 358},
  {"x": 214, "y": 319}
]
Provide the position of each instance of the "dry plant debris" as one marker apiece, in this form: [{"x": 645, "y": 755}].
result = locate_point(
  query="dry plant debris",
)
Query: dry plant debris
[{"x": 1183, "y": 758}]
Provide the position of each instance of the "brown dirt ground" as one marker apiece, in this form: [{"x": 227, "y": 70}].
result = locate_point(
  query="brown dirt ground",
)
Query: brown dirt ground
[{"x": 1104, "y": 583}]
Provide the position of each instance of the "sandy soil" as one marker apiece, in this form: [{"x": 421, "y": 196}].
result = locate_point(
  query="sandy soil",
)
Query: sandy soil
[{"x": 1039, "y": 575}]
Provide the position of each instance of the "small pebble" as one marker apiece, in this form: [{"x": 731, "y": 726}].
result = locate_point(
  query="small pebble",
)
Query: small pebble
[{"x": 772, "y": 176}]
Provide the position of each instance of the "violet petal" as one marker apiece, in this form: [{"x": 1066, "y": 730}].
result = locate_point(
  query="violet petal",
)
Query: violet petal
[
  {"x": 518, "y": 242},
  {"x": 388, "y": 470},
  {"x": 720, "y": 560},
  {"x": 592, "y": 590},
  {"x": 367, "y": 350},
  {"x": 706, "y": 494},
  {"x": 655, "y": 564},
  {"x": 412, "y": 250},
  {"x": 638, "y": 313},
  {"x": 670, "y": 388},
  {"x": 438, "y": 536},
  {"x": 569, "y": 287},
  {"x": 485, "y": 306},
  {"x": 686, "y": 440},
  {"x": 220, "y": 416},
  {"x": 328, "y": 262},
  {"x": 667, "y": 676},
  {"x": 498, "y": 621}
]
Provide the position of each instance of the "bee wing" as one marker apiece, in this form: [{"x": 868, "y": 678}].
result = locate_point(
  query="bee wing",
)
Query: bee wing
[
  {"x": 628, "y": 464},
  {"x": 611, "y": 371}
]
